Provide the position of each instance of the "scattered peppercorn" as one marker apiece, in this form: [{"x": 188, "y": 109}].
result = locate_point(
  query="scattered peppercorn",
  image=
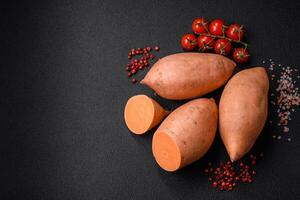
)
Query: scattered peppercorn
[
  {"x": 226, "y": 176},
  {"x": 139, "y": 63}
]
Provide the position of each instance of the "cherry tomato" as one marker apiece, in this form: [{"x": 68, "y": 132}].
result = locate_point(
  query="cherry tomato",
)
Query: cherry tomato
[
  {"x": 235, "y": 32},
  {"x": 200, "y": 25},
  {"x": 216, "y": 27},
  {"x": 205, "y": 42},
  {"x": 188, "y": 42},
  {"x": 240, "y": 55},
  {"x": 222, "y": 46}
]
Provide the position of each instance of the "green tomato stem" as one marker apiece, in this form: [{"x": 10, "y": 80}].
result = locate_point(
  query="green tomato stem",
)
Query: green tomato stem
[{"x": 224, "y": 37}]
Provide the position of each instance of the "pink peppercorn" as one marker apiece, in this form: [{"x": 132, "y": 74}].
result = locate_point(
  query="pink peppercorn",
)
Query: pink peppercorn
[
  {"x": 133, "y": 80},
  {"x": 215, "y": 184},
  {"x": 138, "y": 60},
  {"x": 226, "y": 177}
]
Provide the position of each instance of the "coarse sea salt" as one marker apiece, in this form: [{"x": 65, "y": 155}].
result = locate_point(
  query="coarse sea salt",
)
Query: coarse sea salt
[{"x": 285, "y": 98}]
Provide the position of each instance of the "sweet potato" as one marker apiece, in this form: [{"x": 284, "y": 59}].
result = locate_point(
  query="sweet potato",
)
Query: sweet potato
[
  {"x": 186, "y": 134},
  {"x": 142, "y": 114},
  {"x": 243, "y": 110},
  {"x": 188, "y": 75}
]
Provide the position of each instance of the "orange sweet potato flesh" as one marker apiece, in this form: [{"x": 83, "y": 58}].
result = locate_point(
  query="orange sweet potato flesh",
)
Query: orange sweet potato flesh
[
  {"x": 186, "y": 134},
  {"x": 188, "y": 75},
  {"x": 243, "y": 110},
  {"x": 142, "y": 113}
]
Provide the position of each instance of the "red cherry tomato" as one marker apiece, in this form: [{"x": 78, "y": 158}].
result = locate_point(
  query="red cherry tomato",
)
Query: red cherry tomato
[
  {"x": 188, "y": 42},
  {"x": 240, "y": 55},
  {"x": 222, "y": 46},
  {"x": 235, "y": 32},
  {"x": 216, "y": 27},
  {"x": 205, "y": 42},
  {"x": 200, "y": 25}
]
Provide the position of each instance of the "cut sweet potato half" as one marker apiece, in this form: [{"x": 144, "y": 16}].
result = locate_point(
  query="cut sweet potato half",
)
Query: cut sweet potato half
[
  {"x": 186, "y": 134},
  {"x": 142, "y": 114}
]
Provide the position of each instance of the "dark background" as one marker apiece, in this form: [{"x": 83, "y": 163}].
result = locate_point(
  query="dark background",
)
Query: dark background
[{"x": 64, "y": 87}]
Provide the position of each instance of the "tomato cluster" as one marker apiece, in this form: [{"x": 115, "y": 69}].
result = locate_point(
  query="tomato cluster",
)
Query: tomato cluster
[{"x": 218, "y": 37}]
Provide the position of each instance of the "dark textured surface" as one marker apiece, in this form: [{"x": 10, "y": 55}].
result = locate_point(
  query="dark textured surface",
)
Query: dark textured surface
[{"x": 63, "y": 90}]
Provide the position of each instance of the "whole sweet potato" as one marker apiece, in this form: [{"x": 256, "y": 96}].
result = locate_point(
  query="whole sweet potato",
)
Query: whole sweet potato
[
  {"x": 186, "y": 134},
  {"x": 188, "y": 75},
  {"x": 243, "y": 110}
]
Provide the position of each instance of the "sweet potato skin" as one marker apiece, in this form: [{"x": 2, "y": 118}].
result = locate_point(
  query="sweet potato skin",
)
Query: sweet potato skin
[
  {"x": 188, "y": 75},
  {"x": 243, "y": 110},
  {"x": 192, "y": 128}
]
